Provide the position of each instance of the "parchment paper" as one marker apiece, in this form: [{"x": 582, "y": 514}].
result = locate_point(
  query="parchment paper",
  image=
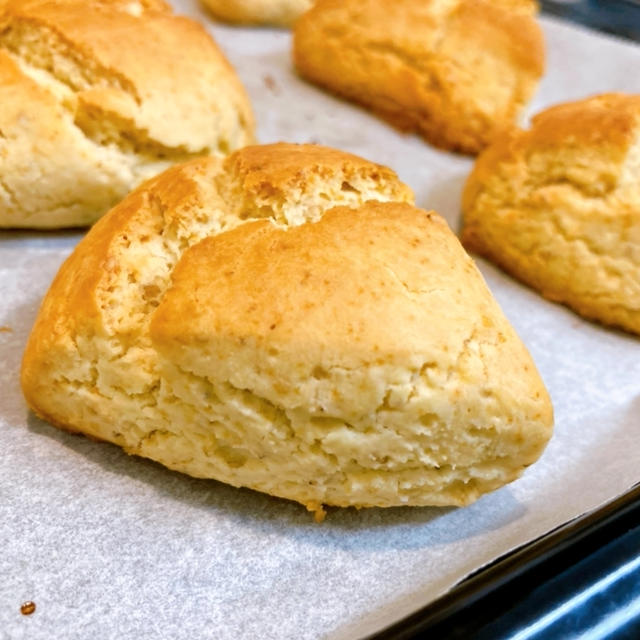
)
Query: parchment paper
[{"x": 110, "y": 546}]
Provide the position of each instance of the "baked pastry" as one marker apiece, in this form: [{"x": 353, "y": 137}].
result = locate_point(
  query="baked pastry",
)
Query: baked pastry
[
  {"x": 558, "y": 206},
  {"x": 94, "y": 100},
  {"x": 273, "y": 12},
  {"x": 229, "y": 321},
  {"x": 454, "y": 71}
]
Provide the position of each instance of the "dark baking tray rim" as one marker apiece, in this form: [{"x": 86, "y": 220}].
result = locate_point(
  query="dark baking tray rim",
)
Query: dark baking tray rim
[
  {"x": 540, "y": 559},
  {"x": 616, "y": 17}
]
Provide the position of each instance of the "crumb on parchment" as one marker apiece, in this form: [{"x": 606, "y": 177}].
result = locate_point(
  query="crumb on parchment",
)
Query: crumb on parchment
[{"x": 270, "y": 83}]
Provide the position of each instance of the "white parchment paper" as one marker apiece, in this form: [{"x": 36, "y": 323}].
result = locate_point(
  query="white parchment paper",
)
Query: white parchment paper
[{"x": 110, "y": 546}]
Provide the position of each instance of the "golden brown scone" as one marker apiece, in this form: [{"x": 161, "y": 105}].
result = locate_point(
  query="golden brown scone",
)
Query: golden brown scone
[
  {"x": 453, "y": 70},
  {"x": 558, "y": 206},
  {"x": 228, "y": 321},
  {"x": 97, "y": 96},
  {"x": 273, "y": 12}
]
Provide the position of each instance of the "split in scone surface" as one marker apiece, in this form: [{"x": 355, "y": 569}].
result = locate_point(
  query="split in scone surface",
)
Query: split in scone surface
[
  {"x": 96, "y": 96},
  {"x": 455, "y": 71},
  {"x": 558, "y": 206},
  {"x": 271, "y": 12},
  {"x": 287, "y": 321}
]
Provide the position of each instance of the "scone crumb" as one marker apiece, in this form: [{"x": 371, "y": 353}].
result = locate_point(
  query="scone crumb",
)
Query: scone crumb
[
  {"x": 319, "y": 514},
  {"x": 270, "y": 83}
]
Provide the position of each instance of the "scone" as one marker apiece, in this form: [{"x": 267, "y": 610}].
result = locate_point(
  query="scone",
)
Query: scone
[
  {"x": 558, "y": 206},
  {"x": 97, "y": 96},
  {"x": 285, "y": 320},
  {"x": 273, "y": 12},
  {"x": 454, "y": 71}
]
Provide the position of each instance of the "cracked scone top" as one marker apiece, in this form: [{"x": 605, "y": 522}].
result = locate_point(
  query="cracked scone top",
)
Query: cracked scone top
[
  {"x": 454, "y": 71},
  {"x": 97, "y": 96},
  {"x": 285, "y": 320},
  {"x": 558, "y": 206},
  {"x": 275, "y": 12}
]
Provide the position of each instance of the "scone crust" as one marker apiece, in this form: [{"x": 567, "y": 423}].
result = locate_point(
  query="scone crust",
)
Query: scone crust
[
  {"x": 94, "y": 100},
  {"x": 229, "y": 322},
  {"x": 454, "y": 71},
  {"x": 270, "y": 12},
  {"x": 558, "y": 206}
]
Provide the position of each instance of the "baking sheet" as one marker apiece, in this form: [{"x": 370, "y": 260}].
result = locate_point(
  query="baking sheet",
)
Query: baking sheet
[{"x": 112, "y": 546}]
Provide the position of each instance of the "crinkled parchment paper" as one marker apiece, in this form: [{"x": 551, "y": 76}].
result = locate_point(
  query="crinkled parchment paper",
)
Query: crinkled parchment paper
[{"x": 110, "y": 546}]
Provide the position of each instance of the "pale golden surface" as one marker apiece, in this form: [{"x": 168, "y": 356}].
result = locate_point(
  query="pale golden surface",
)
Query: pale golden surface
[
  {"x": 97, "y": 96},
  {"x": 455, "y": 71},
  {"x": 228, "y": 321},
  {"x": 273, "y": 12},
  {"x": 558, "y": 206}
]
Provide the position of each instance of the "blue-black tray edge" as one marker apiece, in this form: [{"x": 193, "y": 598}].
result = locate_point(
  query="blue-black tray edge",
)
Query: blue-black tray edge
[{"x": 533, "y": 562}]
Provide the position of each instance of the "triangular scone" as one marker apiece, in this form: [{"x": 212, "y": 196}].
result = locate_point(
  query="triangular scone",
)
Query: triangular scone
[
  {"x": 350, "y": 358},
  {"x": 273, "y": 12},
  {"x": 558, "y": 206},
  {"x": 97, "y": 96},
  {"x": 454, "y": 71}
]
